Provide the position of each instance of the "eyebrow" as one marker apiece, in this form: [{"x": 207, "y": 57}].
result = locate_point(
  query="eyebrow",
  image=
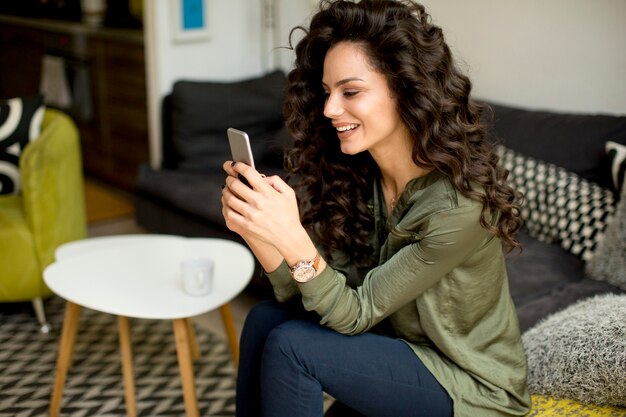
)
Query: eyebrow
[{"x": 344, "y": 81}]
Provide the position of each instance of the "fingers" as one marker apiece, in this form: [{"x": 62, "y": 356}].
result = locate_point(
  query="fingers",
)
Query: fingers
[
  {"x": 228, "y": 167},
  {"x": 233, "y": 210},
  {"x": 278, "y": 184},
  {"x": 231, "y": 194},
  {"x": 238, "y": 190},
  {"x": 238, "y": 198},
  {"x": 254, "y": 178},
  {"x": 259, "y": 211},
  {"x": 240, "y": 217}
]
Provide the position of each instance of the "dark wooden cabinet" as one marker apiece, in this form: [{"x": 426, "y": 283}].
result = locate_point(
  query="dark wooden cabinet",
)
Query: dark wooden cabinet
[
  {"x": 21, "y": 50},
  {"x": 119, "y": 97},
  {"x": 108, "y": 67}
]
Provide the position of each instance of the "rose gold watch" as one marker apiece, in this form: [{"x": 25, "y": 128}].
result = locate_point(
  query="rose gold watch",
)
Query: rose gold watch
[{"x": 305, "y": 271}]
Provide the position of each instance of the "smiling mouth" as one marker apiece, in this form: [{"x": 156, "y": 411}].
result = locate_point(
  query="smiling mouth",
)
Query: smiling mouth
[{"x": 346, "y": 128}]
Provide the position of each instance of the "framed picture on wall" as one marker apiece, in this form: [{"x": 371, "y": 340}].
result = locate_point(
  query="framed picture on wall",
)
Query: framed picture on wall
[{"x": 190, "y": 20}]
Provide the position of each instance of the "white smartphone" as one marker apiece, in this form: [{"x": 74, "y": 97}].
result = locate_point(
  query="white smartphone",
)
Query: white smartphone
[
  {"x": 240, "y": 146},
  {"x": 240, "y": 149}
]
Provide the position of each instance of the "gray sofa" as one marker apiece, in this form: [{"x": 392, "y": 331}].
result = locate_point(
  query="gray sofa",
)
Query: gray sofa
[
  {"x": 560, "y": 163},
  {"x": 183, "y": 196}
]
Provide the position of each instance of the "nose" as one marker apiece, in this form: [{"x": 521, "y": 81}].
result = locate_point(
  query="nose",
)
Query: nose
[{"x": 332, "y": 107}]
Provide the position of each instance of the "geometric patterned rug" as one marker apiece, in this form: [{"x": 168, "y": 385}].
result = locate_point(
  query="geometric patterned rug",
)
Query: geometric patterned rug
[{"x": 94, "y": 385}]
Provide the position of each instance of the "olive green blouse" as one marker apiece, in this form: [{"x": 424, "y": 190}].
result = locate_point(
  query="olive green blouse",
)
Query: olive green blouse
[{"x": 441, "y": 286}]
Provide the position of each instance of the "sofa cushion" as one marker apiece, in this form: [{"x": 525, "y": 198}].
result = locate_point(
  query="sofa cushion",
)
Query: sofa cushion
[
  {"x": 558, "y": 298},
  {"x": 559, "y": 206},
  {"x": 544, "y": 278},
  {"x": 579, "y": 352},
  {"x": 609, "y": 260},
  {"x": 190, "y": 192},
  {"x": 202, "y": 111},
  {"x": 572, "y": 141},
  {"x": 539, "y": 268},
  {"x": 20, "y": 123},
  {"x": 198, "y": 195}
]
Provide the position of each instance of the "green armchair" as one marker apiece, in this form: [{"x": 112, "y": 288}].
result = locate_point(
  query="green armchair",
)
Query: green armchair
[{"x": 49, "y": 211}]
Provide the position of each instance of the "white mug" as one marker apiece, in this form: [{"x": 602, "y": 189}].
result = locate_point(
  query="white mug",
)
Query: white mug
[{"x": 197, "y": 275}]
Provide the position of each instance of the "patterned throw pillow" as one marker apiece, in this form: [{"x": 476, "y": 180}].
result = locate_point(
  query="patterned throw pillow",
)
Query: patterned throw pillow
[
  {"x": 617, "y": 156},
  {"x": 20, "y": 123},
  {"x": 559, "y": 206},
  {"x": 579, "y": 352}
]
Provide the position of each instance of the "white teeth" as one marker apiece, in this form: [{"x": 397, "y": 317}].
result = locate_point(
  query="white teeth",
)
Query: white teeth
[{"x": 347, "y": 127}]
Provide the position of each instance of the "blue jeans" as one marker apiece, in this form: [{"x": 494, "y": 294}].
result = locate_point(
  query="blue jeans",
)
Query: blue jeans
[{"x": 287, "y": 359}]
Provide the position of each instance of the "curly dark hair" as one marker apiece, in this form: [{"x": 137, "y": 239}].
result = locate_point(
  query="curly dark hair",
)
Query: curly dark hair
[{"x": 433, "y": 98}]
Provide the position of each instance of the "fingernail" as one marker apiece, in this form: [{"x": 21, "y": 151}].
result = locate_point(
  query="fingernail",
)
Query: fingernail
[{"x": 232, "y": 164}]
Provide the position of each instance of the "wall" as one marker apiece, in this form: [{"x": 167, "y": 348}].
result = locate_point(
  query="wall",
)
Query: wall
[
  {"x": 232, "y": 51},
  {"x": 566, "y": 55},
  {"x": 291, "y": 13},
  {"x": 243, "y": 36}
]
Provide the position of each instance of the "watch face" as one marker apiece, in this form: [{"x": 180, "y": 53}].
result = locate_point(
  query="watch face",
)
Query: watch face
[{"x": 304, "y": 273}]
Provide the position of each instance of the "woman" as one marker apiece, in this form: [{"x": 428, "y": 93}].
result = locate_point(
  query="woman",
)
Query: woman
[{"x": 405, "y": 309}]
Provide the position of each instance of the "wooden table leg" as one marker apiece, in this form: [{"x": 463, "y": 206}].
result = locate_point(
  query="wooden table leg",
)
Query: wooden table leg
[
  {"x": 185, "y": 365},
  {"x": 66, "y": 351},
  {"x": 193, "y": 341},
  {"x": 127, "y": 366},
  {"x": 231, "y": 332}
]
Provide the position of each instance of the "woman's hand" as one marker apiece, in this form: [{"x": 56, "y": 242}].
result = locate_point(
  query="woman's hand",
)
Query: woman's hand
[
  {"x": 265, "y": 214},
  {"x": 267, "y": 210}
]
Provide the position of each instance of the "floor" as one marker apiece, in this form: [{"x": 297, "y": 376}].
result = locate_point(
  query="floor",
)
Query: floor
[{"x": 211, "y": 321}]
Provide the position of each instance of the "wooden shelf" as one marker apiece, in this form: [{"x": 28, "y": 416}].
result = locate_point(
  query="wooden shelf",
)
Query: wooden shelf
[{"x": 114, "y": 137}]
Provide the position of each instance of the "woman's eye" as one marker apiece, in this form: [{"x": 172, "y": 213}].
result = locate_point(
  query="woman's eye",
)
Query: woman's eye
[{"x": 350, "y": 93}]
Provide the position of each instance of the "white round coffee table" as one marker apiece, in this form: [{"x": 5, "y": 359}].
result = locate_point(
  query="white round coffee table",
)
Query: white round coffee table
[{"x": 139, "y": 276}]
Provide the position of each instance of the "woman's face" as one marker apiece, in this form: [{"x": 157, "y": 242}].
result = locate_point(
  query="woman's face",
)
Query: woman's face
[{"x": 359, "y": 103}]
